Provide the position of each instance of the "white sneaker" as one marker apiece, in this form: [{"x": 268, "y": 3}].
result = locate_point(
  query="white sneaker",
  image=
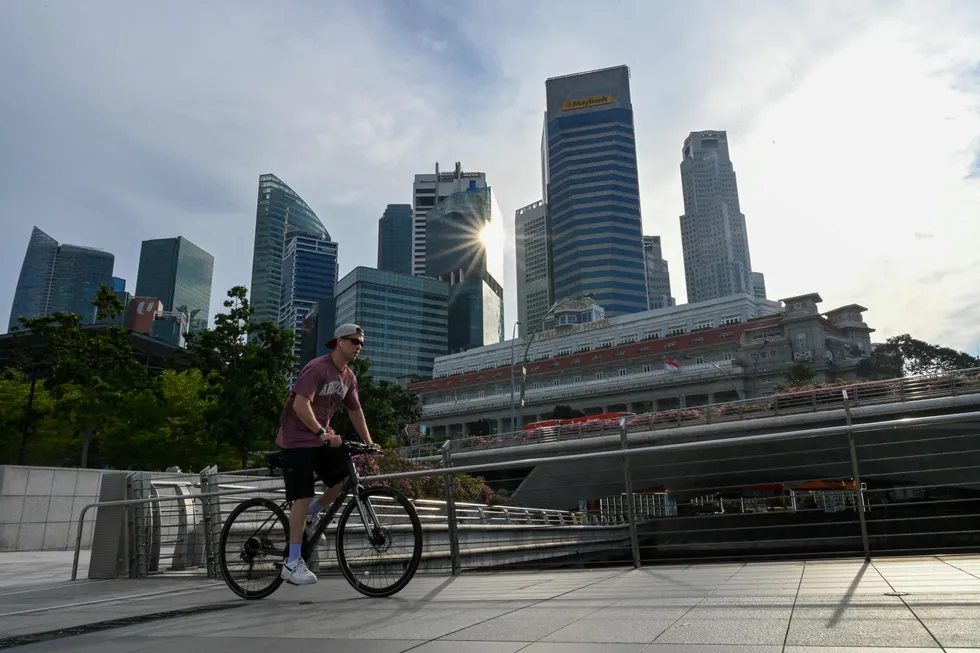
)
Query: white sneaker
[{"x": 297, "y": 573}]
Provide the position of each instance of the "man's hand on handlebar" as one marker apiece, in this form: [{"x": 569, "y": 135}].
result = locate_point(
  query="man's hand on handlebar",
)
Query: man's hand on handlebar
[{"x": 332, "y": 439}]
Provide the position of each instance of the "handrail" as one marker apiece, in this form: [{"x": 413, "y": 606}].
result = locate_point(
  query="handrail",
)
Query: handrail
[
  {"x": 904, "y": 389},
  {"x": 133, "y": 502},
  {"x": 699, "y": 444}
]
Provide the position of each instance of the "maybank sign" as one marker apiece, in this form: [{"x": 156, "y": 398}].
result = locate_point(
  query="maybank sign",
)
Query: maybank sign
[{"x": 594, "y": 101}]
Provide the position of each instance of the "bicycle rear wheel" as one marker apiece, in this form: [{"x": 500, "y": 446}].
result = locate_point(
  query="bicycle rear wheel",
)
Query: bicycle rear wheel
[
  {"x": 254, "y": 542},
  {"x": 393, "y": 544}
]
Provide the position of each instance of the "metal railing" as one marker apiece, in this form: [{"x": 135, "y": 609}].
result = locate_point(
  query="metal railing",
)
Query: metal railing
[
  {"x": 894, "y": 486},
  {"x": 828, "y": 398},
  {"x": 178, "y": 519}
]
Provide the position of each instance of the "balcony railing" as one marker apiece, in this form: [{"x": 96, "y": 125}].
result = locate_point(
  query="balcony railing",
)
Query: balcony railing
[
  {"x": 625, "y": 383},
  {"x": 809, "y": 400}
]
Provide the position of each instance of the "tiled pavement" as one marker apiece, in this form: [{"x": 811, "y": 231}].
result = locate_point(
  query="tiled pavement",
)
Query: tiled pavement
[{"x": 913, "y": 604}]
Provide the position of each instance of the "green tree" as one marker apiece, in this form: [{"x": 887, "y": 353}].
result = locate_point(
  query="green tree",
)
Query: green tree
[
  {"x": 799, "y": 375},
  {"x": 904, "y": 355},
  {"x": 387, "y": 407},
  {"x": 92, "y": 375},
  {"x": 245, "y": 366},
  {"x": 562, "y": 411}
]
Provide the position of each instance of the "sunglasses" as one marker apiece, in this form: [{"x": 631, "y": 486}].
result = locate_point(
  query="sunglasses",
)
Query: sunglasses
[{"x": 356, "y": 341}]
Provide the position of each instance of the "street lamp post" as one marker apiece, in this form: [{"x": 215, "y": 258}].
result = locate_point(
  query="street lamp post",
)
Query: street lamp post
[
  {"x": 520, "y": 414},
  {"x": 726, "y": 375},
  {"x": 513, "y": 408}
]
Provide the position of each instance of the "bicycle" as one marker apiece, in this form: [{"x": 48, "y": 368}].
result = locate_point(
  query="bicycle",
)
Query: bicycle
[{"x": 261, "y": 553}]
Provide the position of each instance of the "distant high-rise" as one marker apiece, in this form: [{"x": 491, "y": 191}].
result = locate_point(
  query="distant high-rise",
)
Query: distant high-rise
[
  {"x": 395, "y": 239},
  {"x": 592, "y": 190},
  {"x": 465, "y": 248},
  {"x": 404, "y": 318},
  {"x": 309, "y": 275},
  {"x": 713, "y": 233},
  {"x": 118, "y": 284},
  {"x": 658, "y": 274},
  {"x": 533, "y": 266},
  {"x": 427, "y": 191},
  {"x": 179, "y": 274},
  {"x": 758, "y": 282},
  {"x": 59, "y": 279},
  {"x": 278, "y": 206}
]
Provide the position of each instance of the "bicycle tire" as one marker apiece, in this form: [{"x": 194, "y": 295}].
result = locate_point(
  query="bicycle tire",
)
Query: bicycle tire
[
  {"x": 416, "y": 558},
  {"x": 226, "y": 529}
]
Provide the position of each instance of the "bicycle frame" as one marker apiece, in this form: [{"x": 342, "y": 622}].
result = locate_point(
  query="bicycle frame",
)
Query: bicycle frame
[{"x": 353, "y": 487}]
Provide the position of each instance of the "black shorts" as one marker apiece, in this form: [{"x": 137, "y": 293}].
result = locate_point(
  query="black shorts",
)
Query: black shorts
[{"x": 300, "y": 464}]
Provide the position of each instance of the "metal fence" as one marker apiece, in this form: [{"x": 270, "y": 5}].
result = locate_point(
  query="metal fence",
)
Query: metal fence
[
  {"x": 172, "y": 525},
  {"x": 897, "y": 486},
  {"x": 901, "y": 390}
]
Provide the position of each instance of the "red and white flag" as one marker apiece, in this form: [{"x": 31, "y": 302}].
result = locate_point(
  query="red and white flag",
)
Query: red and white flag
[{"x": 671, "y": 366}]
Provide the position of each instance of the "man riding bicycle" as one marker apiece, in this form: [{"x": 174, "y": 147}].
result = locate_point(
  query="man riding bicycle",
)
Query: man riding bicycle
[{"x": 309, "y": 445}]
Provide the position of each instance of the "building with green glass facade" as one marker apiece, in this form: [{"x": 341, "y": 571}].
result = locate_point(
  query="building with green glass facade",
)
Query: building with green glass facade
[
  {"x": 58, "y": 278},
  {"x": 178, "y": 273},
  {"x": 404, "y": 319},
  {"x": 279, "y": 210}
]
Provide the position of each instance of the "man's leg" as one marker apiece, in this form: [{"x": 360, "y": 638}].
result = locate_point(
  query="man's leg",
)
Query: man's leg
[
  {"x": 329, "y": 496},
  {"x": 297, "y": 519},
  {"x": 297, "y": 475}
]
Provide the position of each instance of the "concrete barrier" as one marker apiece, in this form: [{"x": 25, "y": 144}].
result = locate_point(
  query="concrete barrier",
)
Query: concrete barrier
[{"x": 39, "y": 506}]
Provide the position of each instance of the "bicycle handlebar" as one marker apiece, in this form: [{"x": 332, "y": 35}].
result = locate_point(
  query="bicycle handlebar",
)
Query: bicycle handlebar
[{"x": 357, "y": 447}]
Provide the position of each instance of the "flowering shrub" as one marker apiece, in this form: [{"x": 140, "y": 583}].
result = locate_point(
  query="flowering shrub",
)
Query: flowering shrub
[{"x": 466, "y": 488}]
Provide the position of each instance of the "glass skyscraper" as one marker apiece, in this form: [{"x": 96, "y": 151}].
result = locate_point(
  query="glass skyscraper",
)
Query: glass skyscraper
[
  {"x": 464, "y": 247},
  {"x": 404, "y": 319},
  {"x": 278, "y": 206},
  {"x": 395, "y": 239},
  {"x": 178, "y": 273},
  {"x": 309, "y": 275},
  {"x": 59, "y": 279},
  {"x": 592, "y": 191}
]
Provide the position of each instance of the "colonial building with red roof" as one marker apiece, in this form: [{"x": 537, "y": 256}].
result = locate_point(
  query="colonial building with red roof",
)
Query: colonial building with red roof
[{"x": 682, "y": 356}]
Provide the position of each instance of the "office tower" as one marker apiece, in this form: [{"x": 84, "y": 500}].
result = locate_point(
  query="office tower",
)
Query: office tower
[
  {"x": 758, "y": 282},
  {"x": 404, "y": 318},
  {"x": 309, "y": 274},
  {"x": 533, "y": 267},
  {"x": 179, "y": 274},
  {"x": 658, "y": 274},
  {"x": 395, "y": 239},
  {"x": 715, "y": 241},
  {"x": 278, "y": 205},
  {"x": 465, "y": 248},
  {"x": 118, "y": 284},
  {"x": 591, "y": 188},
  {"x": 427, "y": 191},
  {"x": 59, "y": 279},
  {"x": 318, "y": 327}
]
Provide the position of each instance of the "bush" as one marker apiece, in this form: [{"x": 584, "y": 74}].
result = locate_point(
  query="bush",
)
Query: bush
[{"x": 466, "y": 488}]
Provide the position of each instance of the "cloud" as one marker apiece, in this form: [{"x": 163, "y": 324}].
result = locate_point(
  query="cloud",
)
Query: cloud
[{"x": 854, "y": 126}]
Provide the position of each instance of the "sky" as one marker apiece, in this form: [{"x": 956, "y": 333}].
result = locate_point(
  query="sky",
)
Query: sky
[{"x": 854, "y": 128}]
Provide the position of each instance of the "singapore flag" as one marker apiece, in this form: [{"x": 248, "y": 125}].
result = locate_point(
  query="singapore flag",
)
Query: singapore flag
[{"x": 671, "y": 366}]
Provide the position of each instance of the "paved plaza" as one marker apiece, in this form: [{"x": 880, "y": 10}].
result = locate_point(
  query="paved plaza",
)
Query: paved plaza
[{"x": 911, "y": 604}]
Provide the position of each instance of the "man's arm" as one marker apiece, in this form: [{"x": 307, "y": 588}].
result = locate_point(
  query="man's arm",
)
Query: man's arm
[
  {"x": 304, "y": 411},
  {"x": 360, "y": 425}
]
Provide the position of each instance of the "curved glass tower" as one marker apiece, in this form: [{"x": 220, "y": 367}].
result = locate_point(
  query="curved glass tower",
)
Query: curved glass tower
[
  {"x": 280, "y": 211},
  {"x": 59, "y": 279}
]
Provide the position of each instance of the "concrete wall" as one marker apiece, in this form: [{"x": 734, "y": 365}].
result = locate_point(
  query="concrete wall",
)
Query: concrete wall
[{"x": 39, "y": 507}]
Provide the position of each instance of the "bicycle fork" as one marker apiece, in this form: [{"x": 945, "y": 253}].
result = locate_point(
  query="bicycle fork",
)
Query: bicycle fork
[{"x": 367, "y": 514}]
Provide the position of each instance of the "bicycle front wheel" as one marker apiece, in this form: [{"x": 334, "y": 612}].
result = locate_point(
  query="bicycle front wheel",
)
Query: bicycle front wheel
[
  {"x": 381, "y": 559},
  {"x": 254, "y": 542}
]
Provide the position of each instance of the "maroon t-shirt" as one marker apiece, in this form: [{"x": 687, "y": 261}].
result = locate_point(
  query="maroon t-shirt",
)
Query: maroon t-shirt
[{"x": 326, "y": 387}]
